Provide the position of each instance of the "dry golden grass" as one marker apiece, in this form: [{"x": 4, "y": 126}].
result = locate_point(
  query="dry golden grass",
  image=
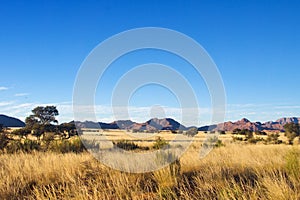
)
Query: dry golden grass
[{"x": 230, "y": 172}]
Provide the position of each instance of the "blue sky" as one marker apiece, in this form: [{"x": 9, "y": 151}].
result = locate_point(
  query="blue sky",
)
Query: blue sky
[{"x": 255, "y": 44}]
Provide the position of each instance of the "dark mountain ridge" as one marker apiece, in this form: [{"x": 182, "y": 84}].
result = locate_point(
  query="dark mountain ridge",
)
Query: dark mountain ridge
[{"x": 7, "y": 121}]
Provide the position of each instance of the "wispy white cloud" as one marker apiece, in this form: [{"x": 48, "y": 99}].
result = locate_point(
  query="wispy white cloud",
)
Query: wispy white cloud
[
  {"x": 21, "y": 94},
  {"x": 3, "y": 88},
  {"x": 288, "y": 107},
  {"x": 6, "y": 103}
]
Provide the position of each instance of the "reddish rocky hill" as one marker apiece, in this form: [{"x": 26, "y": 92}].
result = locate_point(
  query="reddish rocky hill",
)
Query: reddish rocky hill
[{"x": 253, "y": 126}]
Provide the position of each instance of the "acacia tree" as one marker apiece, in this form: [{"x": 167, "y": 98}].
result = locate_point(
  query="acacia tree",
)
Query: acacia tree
[
  {"x": 44, "y": 115},
  {"x": 292, "y": 130},
  {"x": 41, "y": 119}
]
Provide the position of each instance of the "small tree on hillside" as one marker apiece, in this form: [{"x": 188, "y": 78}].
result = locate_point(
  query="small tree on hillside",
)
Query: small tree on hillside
[{"x": 292, "y": 130}]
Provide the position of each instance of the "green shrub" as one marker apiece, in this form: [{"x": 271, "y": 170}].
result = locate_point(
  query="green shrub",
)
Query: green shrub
[
  {"x": 255, "y": 140},
  {"x": 249, "y": 135},
  {"x": 126, "y": 145},
  {"x": 65, "y": 146},
  {"x": 292, "y": 130},
  {"x": 3, "y": 140},
  {"x": 234, "y": 138},
  {"x": 160, "y": 143},
  {"x": 47, "y": 138},
  {"x": 273, "y": 139},
  {"x": 260, "y": 133},
  {"x": 27, "y": 146},
  {"x": 31, "y": 145},
  {"x": 14, "y": 146},
  {"x": 219, "y": 143},
  {"x": 212, "y": 141}
]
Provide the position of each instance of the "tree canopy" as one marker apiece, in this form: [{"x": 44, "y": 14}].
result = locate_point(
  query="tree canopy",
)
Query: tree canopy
[
  {"x": 42, "y": 115},
  {"x": 292, "y": 130},
  {"x": 41, "y": 120}
]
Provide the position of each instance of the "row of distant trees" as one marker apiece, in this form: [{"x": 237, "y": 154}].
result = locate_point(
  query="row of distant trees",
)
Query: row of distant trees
[
  {"x": 43, "y": 120},
  {"x": 291, "y": 131}
]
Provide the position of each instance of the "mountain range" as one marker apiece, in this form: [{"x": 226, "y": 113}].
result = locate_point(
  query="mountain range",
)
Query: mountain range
[
  {"x": 244, "y": 123},
  {"x": 7, "y": 121},
  {"x": 170, "y": 124},
  {"x": 150, "y": 125}
]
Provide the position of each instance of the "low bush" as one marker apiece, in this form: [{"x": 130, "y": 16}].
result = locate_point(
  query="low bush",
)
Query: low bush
[
  {"x": 160, "y": 143},
  {"x": 27, "y": 146},
  {"x": 260, "y": 133},
  {"x": 255, "y": 140},
  {"x": 219, "y": 143},
  {"x": 3, "y": 140},
  {"x": 65, "y": 146},
  {"x": 126, "y": 145},
  {"x": 235, "y": 138},
  {"x": 273, "y": 139}
]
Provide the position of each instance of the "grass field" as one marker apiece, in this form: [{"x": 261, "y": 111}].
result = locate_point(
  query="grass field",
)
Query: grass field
[{"x": 234, "y": 171}]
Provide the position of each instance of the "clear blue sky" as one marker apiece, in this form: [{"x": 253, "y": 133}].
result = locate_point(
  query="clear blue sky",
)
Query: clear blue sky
[{"x": 255, "y": 44}]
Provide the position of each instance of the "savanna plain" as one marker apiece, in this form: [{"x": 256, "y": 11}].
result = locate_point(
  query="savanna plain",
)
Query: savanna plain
[{"x": 232, "y": 170}]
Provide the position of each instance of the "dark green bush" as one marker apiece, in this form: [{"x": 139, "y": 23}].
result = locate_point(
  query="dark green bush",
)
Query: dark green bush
[
  {"x": 260, "y": 133},
  {"x": 3, "y": 140},
  {"x": 234, "y": 138},
  {"x": 126, "y": 145},
  {"x": 160, "y": 143},
  {"x": 273, "y": 139},
  {"x": 26, "y": 146},
  {"x": 219, "y": 143},
  {"x": 255, "y": 140},
  {"x": 66, "y": 146},
  {"x": 31, "y": 145}
]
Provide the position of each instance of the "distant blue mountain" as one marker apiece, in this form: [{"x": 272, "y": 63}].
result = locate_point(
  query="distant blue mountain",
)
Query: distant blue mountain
[{"x": 7, "y": 121}]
